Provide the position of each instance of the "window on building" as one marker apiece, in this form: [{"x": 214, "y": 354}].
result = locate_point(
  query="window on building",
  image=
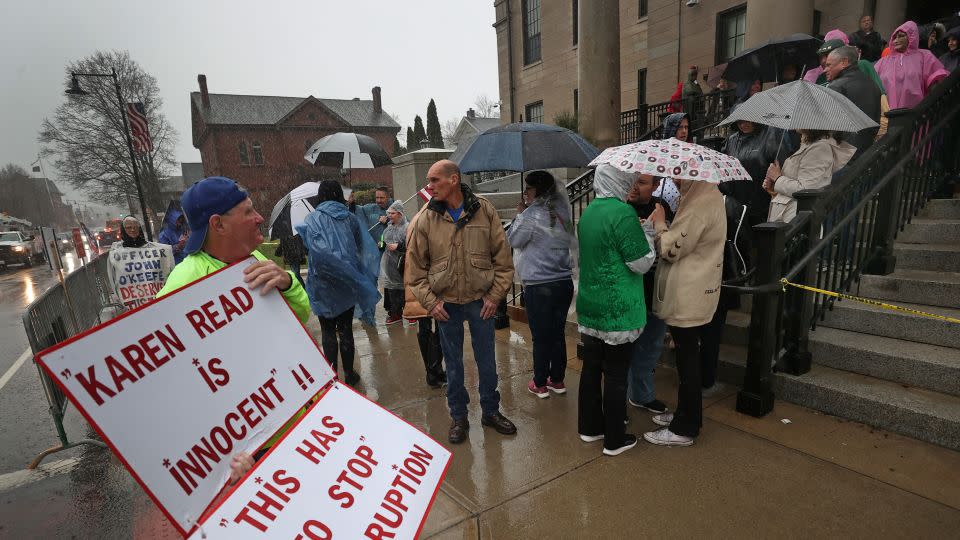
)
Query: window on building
[
  {"x": 641, "y": 87},
  {"x": 576, "y": 101},
  {"x": 244, "y": 158},
  {"x": 576, "y": 19},
  {"x": 731, "y": 27},
  {"x": 531, "y": 31},
  {"x": 534, "y": 112},
  {"x": 257, "y": 154},
  {"x": 817, "y": 18},
  {"x": 643, "y": 8}
]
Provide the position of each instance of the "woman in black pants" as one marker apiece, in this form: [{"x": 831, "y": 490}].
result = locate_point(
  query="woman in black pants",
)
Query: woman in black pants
[{"x": 685, "y": 296}]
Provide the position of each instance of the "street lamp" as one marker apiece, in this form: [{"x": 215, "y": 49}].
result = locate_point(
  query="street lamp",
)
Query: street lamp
[{"x": 75, "y": 90}]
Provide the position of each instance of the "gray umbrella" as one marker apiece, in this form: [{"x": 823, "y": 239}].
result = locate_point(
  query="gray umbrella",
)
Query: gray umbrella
[{"x": 802, "y": 105}]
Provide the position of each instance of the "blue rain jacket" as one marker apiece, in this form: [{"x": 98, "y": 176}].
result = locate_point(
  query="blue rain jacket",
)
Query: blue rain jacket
[{"x": 344, "y": 263}]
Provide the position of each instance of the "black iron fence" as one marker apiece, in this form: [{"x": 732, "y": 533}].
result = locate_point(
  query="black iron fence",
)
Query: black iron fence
[
  {"x": 842, "y": 232},
  {"x": 704, "y": 111}
]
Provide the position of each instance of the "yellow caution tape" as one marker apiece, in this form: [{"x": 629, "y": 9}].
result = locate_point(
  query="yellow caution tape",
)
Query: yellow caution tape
[{"x": 868, "y": 301}]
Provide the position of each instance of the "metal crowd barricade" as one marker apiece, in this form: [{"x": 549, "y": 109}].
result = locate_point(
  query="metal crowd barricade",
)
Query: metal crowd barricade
[{"x": 68, "y": 308}]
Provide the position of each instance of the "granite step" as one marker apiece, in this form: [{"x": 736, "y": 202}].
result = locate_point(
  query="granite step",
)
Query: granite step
[
  {"x": 931, "y": 231},
  {"x": 916, "y": 364},
  {"x": 935, "y": 257},
  {"x": 876, "y": 321},
  {"x": 915, "y": 412},
  {"x": 913, "y": 286},
  {"x": 941, "y": 209}
]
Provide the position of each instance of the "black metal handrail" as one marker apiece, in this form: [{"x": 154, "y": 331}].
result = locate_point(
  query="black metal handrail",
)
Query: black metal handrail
[
  {"x": 643, "y": 122},
  {"x": 842, "y": 232}
]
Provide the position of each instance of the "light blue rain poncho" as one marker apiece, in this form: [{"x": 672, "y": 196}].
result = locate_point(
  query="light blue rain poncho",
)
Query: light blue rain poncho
[{"x": 343, "y": 263}]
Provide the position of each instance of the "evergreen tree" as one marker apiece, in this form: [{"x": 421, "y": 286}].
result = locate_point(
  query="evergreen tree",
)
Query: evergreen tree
[
  {"x": 412, "y": 143},
  {"x": 433, "y": 126},
  {"x": 397, "y": 149},
  {"x": 418, "y": 132}
]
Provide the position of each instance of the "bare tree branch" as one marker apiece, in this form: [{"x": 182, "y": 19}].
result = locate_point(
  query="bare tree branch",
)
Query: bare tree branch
[{"x": 85, "y": 137}]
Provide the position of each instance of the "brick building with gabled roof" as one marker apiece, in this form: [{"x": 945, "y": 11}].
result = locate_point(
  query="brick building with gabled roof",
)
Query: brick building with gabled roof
[{"x": 260, "y": 140}]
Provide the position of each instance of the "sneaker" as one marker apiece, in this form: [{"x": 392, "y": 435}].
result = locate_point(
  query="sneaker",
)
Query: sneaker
[
  {"x": 591, "y": 438},
  {"x": 394, "y": 319},
  {"x": 539, "y": 391},
  {"x": 665, "y": 437},
  {"x": 713, "y": 390},
  {"x": 629, "y": 441},
  {"x": 663, "y": 419},
  {"x": 556, "y": 388},
  {"x": 655, "y": 406}
]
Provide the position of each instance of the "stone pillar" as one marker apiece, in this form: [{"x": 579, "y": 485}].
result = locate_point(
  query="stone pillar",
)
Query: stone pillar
[
  {"x": 889, "y": 14},
  {"x": 599, "y": 71},
  {"x": 768, "y": 19},
  {"x": 410, "y": 174}
]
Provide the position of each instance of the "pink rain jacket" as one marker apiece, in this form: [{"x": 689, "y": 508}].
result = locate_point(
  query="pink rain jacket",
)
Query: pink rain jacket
[
  {"x": 836, "y": 33},
  {"x": 908, "y": 76}
]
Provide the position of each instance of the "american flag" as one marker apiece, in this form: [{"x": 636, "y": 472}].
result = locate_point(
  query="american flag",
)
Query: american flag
[{"x": 138, "y": 128}]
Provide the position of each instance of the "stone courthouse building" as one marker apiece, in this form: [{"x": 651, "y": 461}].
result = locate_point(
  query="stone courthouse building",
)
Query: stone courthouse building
[
  {"x": 598, "y": 58},
  {"x": 260, "y": 141}
]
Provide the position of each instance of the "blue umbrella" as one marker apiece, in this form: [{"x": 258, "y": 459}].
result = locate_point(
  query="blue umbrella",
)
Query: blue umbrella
[{"x": 524, "y": 146}]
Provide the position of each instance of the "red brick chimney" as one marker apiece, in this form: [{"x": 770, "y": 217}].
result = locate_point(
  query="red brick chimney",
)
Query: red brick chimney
[
  {"x": 204, "y": 96},
  {"x": 377, "y": 104}
]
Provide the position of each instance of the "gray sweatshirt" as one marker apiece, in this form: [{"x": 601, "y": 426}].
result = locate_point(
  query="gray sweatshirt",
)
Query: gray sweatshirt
[{"x": 541, "y": 253}]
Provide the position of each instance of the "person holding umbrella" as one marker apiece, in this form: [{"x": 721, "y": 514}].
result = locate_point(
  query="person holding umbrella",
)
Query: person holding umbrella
[
  {"x": 686, "y": 293},
  {"x": 542, "y": 237},
  {"x": 293, "y": 253},
  {"x": 810, "y": 167}
]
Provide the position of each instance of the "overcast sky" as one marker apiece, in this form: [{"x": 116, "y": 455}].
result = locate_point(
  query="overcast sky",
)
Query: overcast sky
[{"x": 444, "y": 49}]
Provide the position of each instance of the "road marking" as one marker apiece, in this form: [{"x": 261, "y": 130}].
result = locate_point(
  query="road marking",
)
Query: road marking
[
  {"x": 18, "y": 479},
  {"x": 13, "y": 369}
]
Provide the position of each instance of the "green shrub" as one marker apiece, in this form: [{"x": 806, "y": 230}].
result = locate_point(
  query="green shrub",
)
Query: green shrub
[{"x": 566, "y": 119}]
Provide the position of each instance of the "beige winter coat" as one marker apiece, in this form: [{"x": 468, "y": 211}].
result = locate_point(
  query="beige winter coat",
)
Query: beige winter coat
[
  {"x": 687, "y": 286},
  {"x": 810, "y": 167},
  {"x": 458, "y": 262}
]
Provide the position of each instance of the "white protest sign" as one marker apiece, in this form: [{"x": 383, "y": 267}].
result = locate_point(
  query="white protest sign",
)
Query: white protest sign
[
  {"x": 349, "y": 469},
  {"x": 138, "y": 273},
  {"x": 179, "y": 386}
]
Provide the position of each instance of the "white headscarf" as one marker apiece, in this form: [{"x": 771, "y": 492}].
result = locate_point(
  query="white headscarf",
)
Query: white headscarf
[{"x": 609, "y": 181}]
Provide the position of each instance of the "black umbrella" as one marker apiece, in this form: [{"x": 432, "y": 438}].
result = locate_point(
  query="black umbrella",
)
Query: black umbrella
[
  {"x": 347, "y": 151},
  {"x": 765, "y": 61},
  {"x": 524, "y": 146}
]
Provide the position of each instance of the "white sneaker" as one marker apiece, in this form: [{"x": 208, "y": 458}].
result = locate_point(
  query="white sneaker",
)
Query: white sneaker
[
  {"x": 717, "y": 388},
  {"x": 629, "y": 441},
  {"x": 665, "y": 437},
  {"x": 663, "y": 419},
  {"x": 591, "y": 438}
]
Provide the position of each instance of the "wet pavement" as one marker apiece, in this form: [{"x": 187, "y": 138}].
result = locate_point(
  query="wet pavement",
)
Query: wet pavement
[{"x": 815, "y": 476}]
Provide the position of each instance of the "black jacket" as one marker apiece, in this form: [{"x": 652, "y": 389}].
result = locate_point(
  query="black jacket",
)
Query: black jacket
[
  {"x": 756, "y": 152},
  {"x": 863, "y": 92},
  {"x": 871, "y": 46}
]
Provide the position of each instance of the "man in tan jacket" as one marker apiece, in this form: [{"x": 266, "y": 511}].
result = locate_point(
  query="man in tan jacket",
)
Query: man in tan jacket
[{"x": 459, "y": 268}]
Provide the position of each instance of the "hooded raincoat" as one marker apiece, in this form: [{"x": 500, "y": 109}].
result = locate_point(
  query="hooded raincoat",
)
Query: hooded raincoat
[
  {"x": 907, "y": 76},
  {"x": 343, "y": 263},
  {"x": 951, "y": 59},
  {"x": 390, "y": 275}
]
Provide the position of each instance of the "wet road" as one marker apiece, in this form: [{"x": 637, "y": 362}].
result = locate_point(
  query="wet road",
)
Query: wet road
[{"x": 84, "y": 492}]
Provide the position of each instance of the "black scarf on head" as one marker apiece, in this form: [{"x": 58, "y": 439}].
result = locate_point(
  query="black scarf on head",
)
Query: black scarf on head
[{"x": 139, "y": 241}]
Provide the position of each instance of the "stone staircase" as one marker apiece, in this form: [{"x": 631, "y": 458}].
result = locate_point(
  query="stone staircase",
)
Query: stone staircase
[{"x": 888, "y": 369}]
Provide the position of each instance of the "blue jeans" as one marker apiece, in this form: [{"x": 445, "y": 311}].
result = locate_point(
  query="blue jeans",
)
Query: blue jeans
[
  {"x": 451, "y": 341},
  {"x": 646, "y": 352},
  {"x": 547, "y": 305}
]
